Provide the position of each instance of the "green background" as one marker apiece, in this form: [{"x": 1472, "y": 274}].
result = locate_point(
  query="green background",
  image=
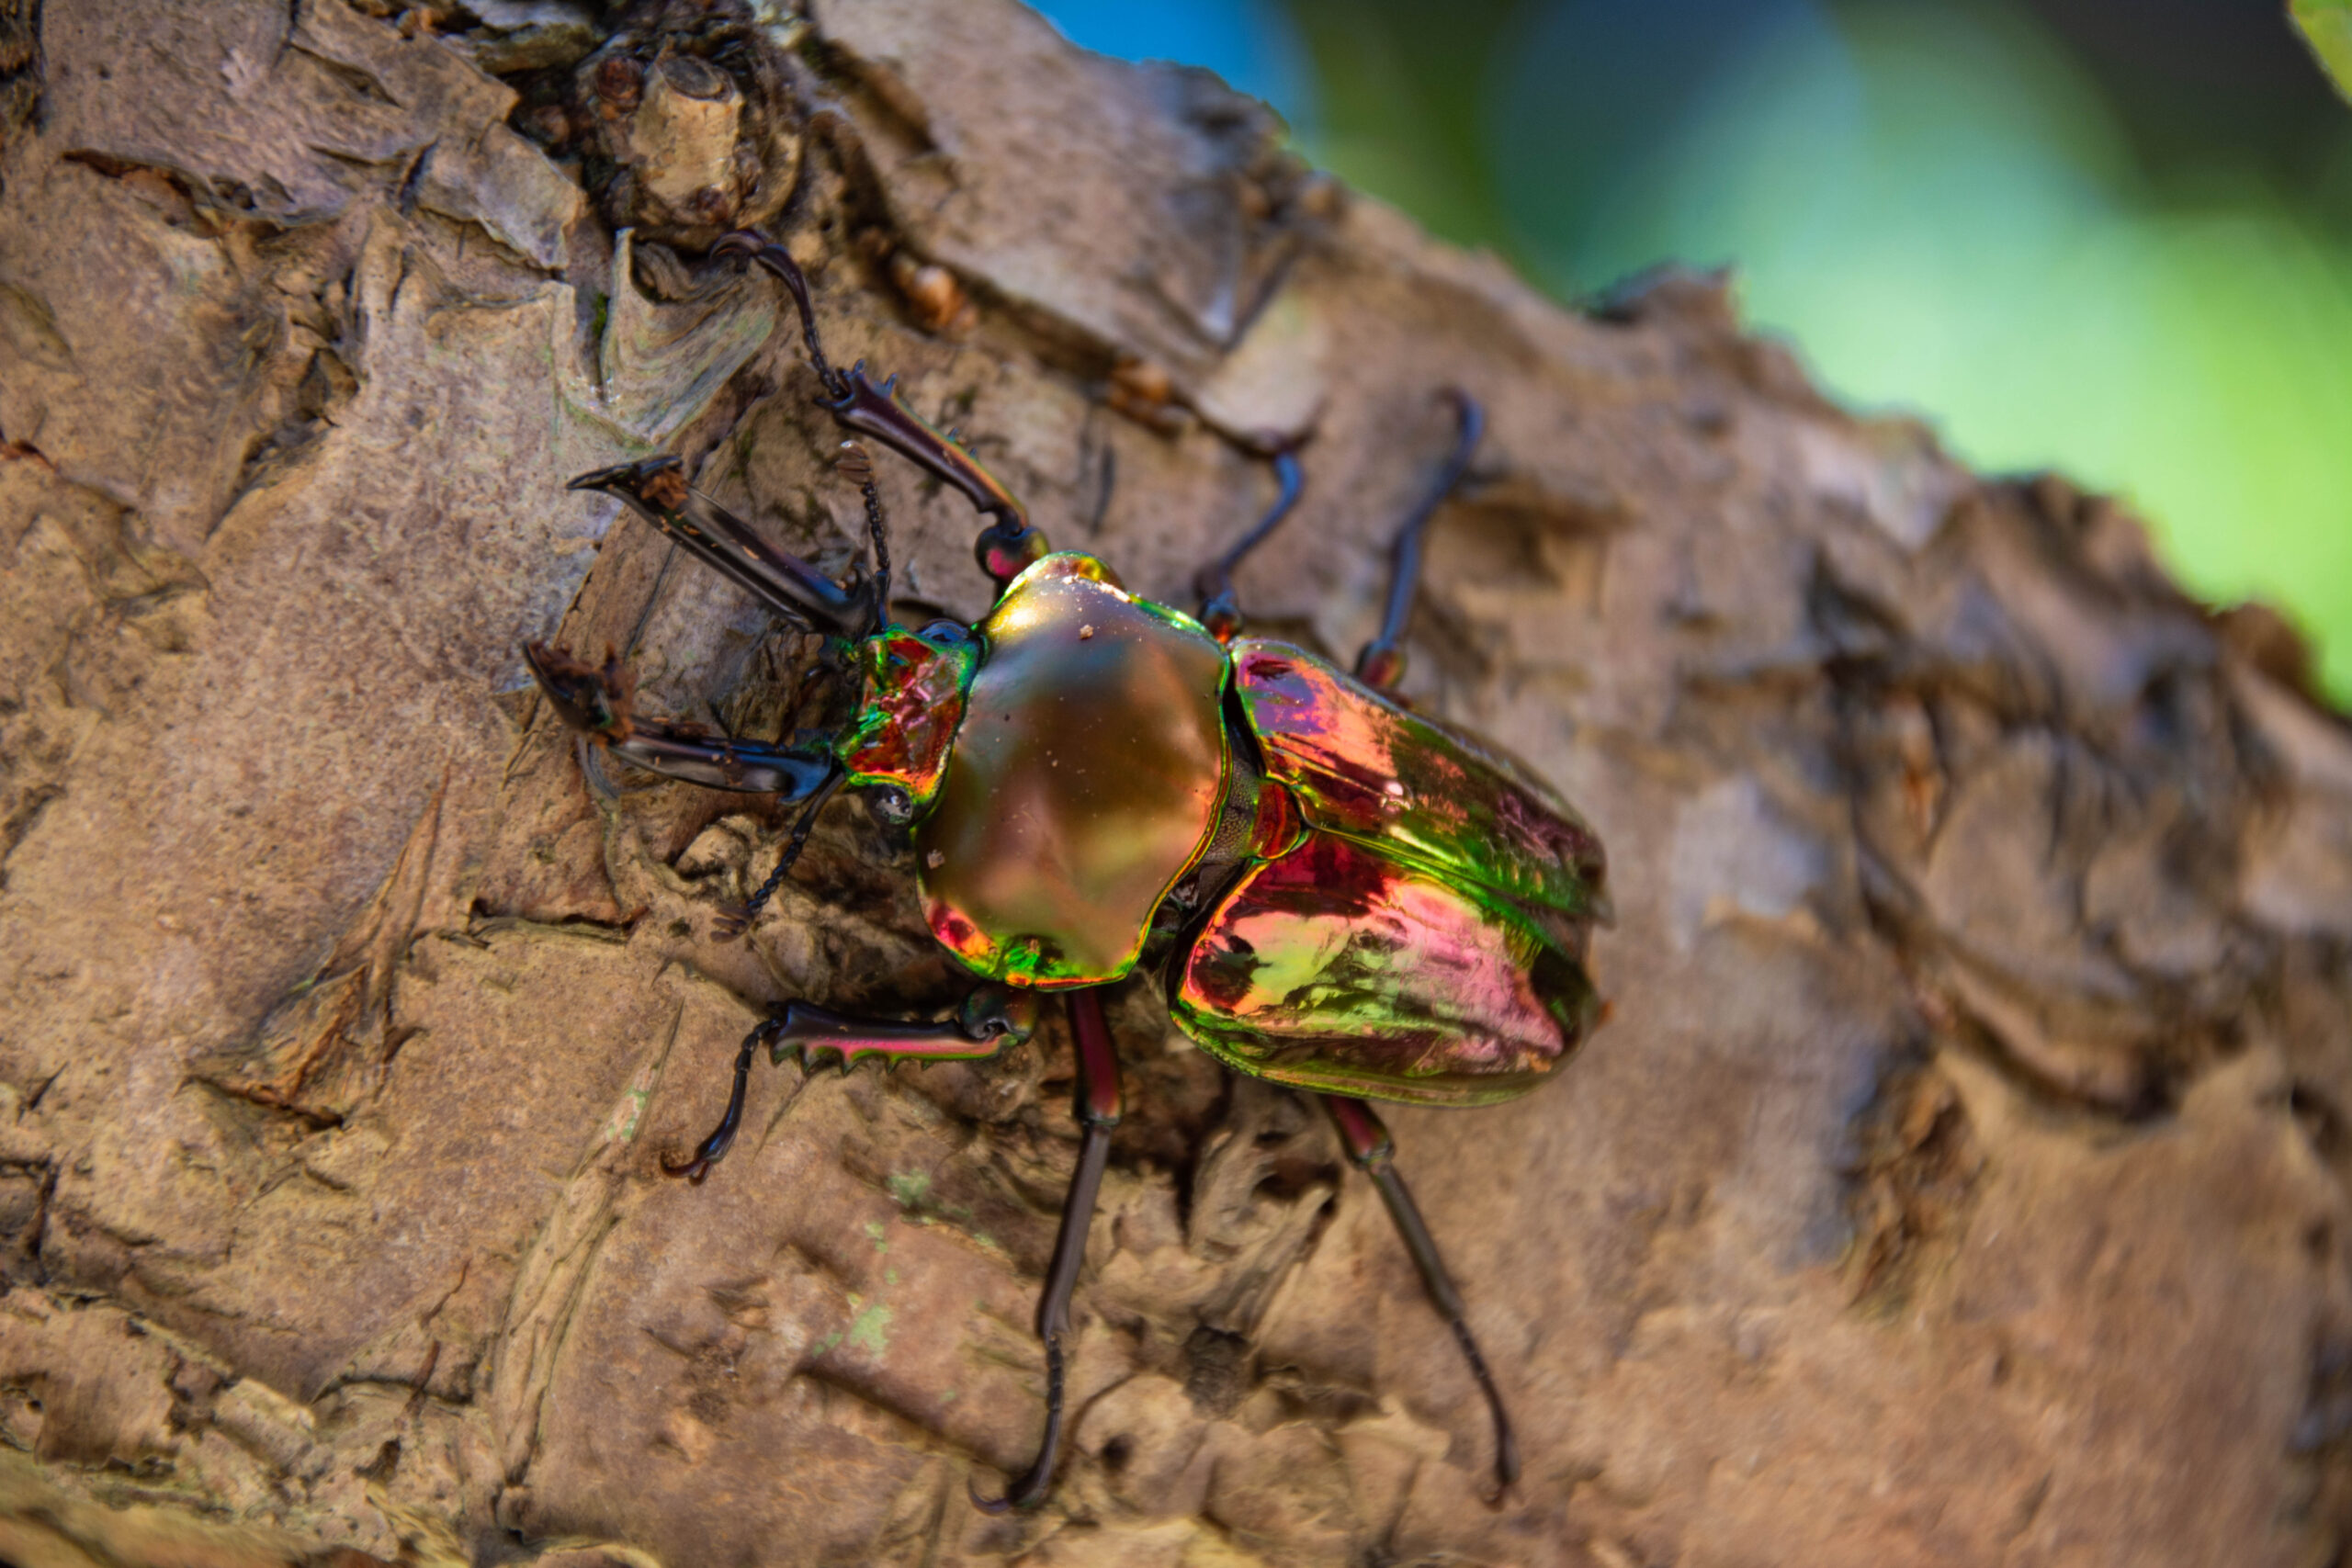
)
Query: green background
[{"x": 2109, "y": 236}]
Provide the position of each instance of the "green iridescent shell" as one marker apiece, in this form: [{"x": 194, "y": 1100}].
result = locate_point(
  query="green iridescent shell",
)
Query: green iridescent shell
[
  {"x": 1427, "y": 795},
  {"x": 1424, "y": 939}
]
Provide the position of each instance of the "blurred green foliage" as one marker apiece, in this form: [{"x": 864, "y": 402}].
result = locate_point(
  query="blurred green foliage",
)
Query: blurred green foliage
[
  {"x": 2109, "y": 236},
  {"x": 2328, "y": 26}
]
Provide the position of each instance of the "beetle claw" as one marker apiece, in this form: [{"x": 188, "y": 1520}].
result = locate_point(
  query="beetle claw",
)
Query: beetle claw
[
  {"x": 694, "y": 1169},
  {"x": 593, "y": 699},
  {"x": 660, "y": 480},
  {"x": 741, "y": 245}
]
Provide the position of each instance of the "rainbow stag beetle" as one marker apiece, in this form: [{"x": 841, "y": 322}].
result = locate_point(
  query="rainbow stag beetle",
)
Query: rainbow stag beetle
[{"x": 1336, "y": 894}]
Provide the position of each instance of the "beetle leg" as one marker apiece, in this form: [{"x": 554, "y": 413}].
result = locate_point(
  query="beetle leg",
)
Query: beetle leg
[
  {"x": 1009, "y": 543},
  {"x": 990, "y": 1018},
  {"x": 1369, "y": 1145},
  {"x": 656, "y": 490},
  {"x": 1215, "y": 583},
  {"x": 1098, "y": 1113},
  {"x": 1381, "y": 663}
]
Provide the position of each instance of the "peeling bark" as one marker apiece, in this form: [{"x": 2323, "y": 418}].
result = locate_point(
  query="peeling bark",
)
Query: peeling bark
[{"x": 1961, "y": 1177}]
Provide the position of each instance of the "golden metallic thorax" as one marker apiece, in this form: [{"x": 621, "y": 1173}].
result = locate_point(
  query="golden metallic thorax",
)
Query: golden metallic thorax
[{"x": 1085, "y": 779}]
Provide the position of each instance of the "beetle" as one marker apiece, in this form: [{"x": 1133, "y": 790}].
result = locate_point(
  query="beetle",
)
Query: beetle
[{"x": 1336, "y": 894}]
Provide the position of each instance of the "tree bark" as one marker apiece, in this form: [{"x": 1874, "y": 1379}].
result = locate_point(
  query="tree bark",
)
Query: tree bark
[{"x": 1961, "y": 1178}]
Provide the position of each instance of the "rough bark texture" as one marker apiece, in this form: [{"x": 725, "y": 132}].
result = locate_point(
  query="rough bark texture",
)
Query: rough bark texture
[{"x": 1961, "y": 1179}]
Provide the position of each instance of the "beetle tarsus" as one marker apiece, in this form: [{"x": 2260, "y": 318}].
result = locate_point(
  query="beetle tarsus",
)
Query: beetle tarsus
[
  {"x": 592, "y": 769},
  {"x": 853, "y": 464},
  {"x": 1219, "y": 612},
  {"x": 1381, "y": 665},
  {"x": 1097, "y": 1106},
  {"x": 1373, "y": 1151},
  {"x": 1506, "y": 1440},
  {"x": 749, "y": 244},
  {"x": 1038, "y": 1482},
  {"x": 712, "y": 1149}
]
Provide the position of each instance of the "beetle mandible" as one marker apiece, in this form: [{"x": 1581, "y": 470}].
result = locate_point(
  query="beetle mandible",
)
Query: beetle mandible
[{"x": 1337, "y": 894}]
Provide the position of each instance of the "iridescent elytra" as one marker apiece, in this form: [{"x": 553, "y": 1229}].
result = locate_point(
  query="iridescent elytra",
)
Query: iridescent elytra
[{"x": 1332, "y": 892}]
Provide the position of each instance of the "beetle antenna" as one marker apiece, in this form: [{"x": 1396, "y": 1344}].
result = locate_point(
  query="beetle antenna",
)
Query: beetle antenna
[
  {"x": 749, "y": 244},
  {"x": 855, "y": 464},
  {"x": 736, "y": 921}
]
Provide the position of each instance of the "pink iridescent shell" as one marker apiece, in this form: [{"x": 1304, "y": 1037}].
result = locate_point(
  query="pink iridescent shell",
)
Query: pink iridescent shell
[
  {"x": 1420, "y": 934},
  {"x": 1340, "y": 969},
  {"x": 1428, "y": 796}
]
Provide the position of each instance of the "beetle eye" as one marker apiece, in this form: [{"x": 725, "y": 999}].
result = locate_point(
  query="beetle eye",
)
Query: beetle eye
[
  {"x": 947, "y": 634},
  {"x": 893, "y": 806}
]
